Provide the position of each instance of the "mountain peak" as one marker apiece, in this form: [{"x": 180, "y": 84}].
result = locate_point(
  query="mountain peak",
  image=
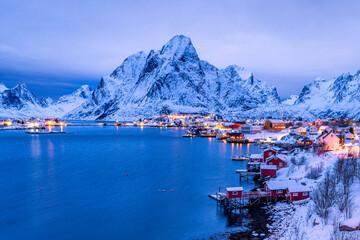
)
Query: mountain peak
[
  {"x": 2, "y": 87},
  {"x": 179, "y": 47}
]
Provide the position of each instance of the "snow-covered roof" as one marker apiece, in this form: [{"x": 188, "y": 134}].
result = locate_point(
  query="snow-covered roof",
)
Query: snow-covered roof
[
  {"x": 279, "y": 156},
  {"x": 256, "y": 156},
  {"x": 277, "y": 185},
  {"x": 234, "y": 189},
  {"x": 298, "y": 188},
  {"x": 276, "y": 121},
  {"x": 269, "y": 167}
]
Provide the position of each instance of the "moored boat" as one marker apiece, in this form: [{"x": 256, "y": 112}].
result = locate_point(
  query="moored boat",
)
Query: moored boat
[{"x": 238, "y": 158}]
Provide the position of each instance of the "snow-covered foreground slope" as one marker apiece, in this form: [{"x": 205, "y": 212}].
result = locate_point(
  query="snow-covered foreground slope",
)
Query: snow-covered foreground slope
[{"x": 174, "y": 79}]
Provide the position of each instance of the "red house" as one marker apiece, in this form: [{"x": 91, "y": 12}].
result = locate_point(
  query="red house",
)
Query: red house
[
  {"x": 278, "y": 188},
  {"x": 305, "y": 141},
  {"x": 277, "y": 160},
  {"x": 268, "y": 153},
  {"x": 297, "y": 192},
  {"x": 268, "y": 170},
  {"x": 234, "y": 192},
  {"x": 256, "y": 158},
  {"x": 236, "y": 125}
]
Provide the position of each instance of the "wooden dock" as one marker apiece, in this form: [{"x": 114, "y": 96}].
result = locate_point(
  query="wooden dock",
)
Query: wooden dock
[
  {"x": 247, "y": 198},
  {"x": 244, "y": 174}
]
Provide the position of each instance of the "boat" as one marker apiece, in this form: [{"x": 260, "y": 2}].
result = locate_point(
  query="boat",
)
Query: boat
[
  {"x": 52, "y": 132},
  {"x": 188, "y": 135},
  {"x": 207, "y": 133},
  {"x": 238, "y": 158},
  {"x": 222, "y": 136}
]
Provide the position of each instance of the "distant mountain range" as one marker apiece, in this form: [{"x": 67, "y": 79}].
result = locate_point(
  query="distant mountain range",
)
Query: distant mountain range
[{"x": 174, "y": 79}]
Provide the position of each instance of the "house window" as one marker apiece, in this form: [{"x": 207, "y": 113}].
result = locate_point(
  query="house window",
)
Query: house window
[
  {"x": 270, "y": 163},
  {"x": 295, "y": 194},
  {"x": 305, "y": 194},
  {"x": 279, "y": 191},
  {"x": 235, "y": 193},
  {"x": 270, "y": 153},
  {"x": 280, "y": 164}
]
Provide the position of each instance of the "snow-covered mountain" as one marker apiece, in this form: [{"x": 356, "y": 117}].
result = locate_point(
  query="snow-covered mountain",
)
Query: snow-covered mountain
[
  {"x": 21, "y": 102},
  {"x": 174, "y": 79},
  {"x": 69, "y": 102},
  {"x": 338, "y": 97}
]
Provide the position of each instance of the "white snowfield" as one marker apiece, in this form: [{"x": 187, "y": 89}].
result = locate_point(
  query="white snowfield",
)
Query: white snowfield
[{"x": 175, "y": 79}]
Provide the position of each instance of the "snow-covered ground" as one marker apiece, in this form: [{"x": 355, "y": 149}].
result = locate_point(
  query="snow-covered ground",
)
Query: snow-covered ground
[{"x": 299, "y": 221}]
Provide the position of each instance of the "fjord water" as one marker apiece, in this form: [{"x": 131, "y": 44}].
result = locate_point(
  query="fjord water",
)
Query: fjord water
[{"x": 108, "y": 182}]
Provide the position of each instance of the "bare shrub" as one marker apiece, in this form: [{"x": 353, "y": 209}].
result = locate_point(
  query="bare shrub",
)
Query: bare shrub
[{"x": 324, "y": 196}]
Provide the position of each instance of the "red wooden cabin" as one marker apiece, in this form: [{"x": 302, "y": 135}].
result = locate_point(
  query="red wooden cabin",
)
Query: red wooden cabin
[
  {"x": 268, "y": 170},
  {"x": 268, "y": 153},
  {"x": 297, "y": 192},
  {"x": 256, "y": 158},
  {"x": 234, "y": 192},
  {"x": 277, "y": 160},
  {"x": 278, "y": 188}
]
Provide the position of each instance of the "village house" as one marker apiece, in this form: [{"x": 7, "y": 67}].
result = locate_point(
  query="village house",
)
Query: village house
[
  {"x": 319, "y": 123},
  {"x": 236, "y": 136},
  {"x": 323, "y": 129},
  {"x": 278, "y": 160},
  {"x": 297, "y": 192},
  {"x": 268, "y": 153},
  {"x": 256, "y": 158},
  {"x": 329, "y": 141},
  {"x": 342, "y": 129},
  {"x": 268, "y": 170},
  {"x": 234, "y": 192},
  {"x": 297, "y": 130},
  {"x": 349, "y": 137},
  {"x": 273, "y": 124},
  {"x": 251, "y": 128},
  {"x": 278, "y": 188},
  {"x": 312, "y": 130},
  {"x": 304, "y": 141}
]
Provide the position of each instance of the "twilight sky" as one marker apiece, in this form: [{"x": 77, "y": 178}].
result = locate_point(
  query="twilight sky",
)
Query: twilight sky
[{"x": 56, "y": 46}]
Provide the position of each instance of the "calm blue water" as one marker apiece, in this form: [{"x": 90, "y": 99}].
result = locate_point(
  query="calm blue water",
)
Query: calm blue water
[{"x": 104, "y": 182}]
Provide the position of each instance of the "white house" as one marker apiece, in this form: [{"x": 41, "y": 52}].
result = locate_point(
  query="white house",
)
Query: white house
[
  {"x": 251, "y": 128},
  {"x": 312, "y": 130},
  {"x": 297, "y": 130},
  {"x": 324, "y": 129},
  {"x": 329, "y": 140}
]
